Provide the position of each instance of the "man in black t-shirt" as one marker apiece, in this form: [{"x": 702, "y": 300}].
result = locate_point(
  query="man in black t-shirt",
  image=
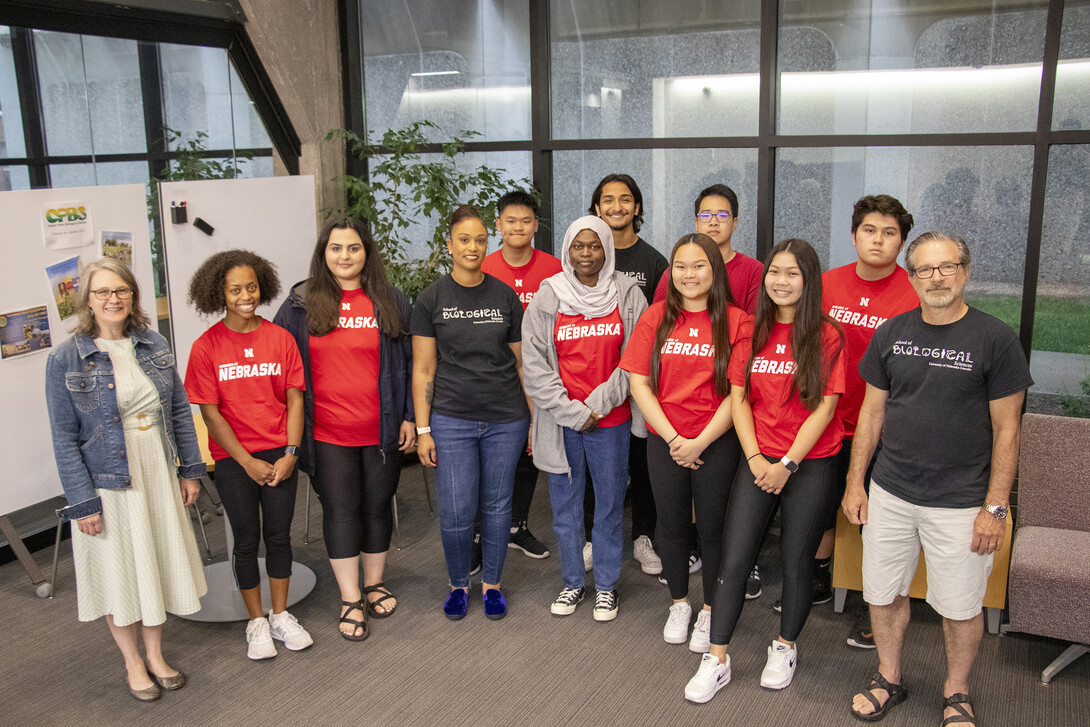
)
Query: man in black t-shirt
[
  {"x": 618, "y": 201},
  {"x": 945, "y": 386}
]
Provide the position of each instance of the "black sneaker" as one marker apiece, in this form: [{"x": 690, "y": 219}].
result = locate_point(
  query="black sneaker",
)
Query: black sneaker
[
  {"x": 605, "y": 606},
  {"x": 522, "y": 539},
  {"x": 823, "y": 581},
  {"x": 861, "y": 636},
  {"x": 566, "y": 602},
  {"x": 475, "y": 566},
  {"x": 753, "y": 584},
  {"x": 822, "y": 593}
]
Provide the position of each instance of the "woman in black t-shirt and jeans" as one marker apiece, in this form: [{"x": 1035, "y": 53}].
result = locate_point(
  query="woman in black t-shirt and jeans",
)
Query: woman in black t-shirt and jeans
[{"x": 471, "y": 415}]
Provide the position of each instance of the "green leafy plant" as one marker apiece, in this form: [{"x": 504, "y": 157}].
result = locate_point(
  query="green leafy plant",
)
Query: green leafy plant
[
  {"x": 1077, "y": 406},
  {"x": 411, "y": 194},
  {"x": 189, "y": 163}
]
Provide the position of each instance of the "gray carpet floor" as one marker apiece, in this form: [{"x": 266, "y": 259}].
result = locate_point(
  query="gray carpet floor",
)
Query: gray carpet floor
[{"x": 418, "y": 668}]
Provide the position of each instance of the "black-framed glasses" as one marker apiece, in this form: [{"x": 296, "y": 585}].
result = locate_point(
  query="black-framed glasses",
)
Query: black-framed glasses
[
  {"x": 927, "y": 271},
  {"x": 707, "y": 216},
  {"x": 105, "y": 293}
]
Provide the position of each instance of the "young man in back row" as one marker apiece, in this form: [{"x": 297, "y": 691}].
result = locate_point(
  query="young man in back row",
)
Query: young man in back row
[
  {"x": 617, "y": 200},
  {"x": 522, "y": 267}
]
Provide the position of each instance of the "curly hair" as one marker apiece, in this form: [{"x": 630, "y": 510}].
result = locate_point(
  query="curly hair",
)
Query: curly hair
[{"x": 206, "y": 286}]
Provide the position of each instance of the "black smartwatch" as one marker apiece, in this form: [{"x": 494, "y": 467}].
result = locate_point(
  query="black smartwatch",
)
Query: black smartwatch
[
  {"x": 792, "y": 467},
  {"x": 292, "y": 450}
]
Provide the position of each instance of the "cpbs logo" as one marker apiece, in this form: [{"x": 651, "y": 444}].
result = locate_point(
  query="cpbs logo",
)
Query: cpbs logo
[{"x": 65, "y": 214}]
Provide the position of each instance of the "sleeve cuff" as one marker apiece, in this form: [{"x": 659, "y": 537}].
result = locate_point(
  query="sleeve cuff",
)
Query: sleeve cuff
[{"x": 81, "y": 509}]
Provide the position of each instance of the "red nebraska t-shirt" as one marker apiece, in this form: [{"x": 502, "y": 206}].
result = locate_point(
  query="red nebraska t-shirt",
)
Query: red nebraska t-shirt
[
  {"x": 344, "y": 375},
  {"x": 589, "y": 350},
  {"x": 686, "y": 364},
  {"x": 526, "y": 279},
  {"x": 247, "y": 375},
  {"x": 743, "y": 275},
  {"x": 777, "y": 412},
  {"x": 861, "y": 306}
]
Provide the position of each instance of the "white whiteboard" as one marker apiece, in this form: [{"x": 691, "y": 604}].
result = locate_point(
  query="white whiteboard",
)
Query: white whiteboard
[
  {"x": 275, "y": 217},
  {"x": 25, "y": 443}
]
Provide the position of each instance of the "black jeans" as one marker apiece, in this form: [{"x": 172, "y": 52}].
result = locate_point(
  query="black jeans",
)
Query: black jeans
[
  {"x": 255, "y": 510},
  {"x": 642, "y": 499},
  {"x": 523, "y": 495},
  {"x": 804, "y": 505},
  {"x": 356, "y": 485},
  {"x": 678, "y": 492}
]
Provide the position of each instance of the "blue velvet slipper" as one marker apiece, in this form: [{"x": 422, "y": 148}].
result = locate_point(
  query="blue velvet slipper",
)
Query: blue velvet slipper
[
  {"x": 456, "y": 605},
  {"x": 495, "y": 605}
]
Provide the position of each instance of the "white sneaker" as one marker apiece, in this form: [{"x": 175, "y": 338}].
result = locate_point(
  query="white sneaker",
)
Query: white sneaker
[
  {"x": 709, "y": 679},
  {"x": 780, "y": 668},
  {"x": 676, "y": 629},
  {"x": 588, "y": 557},
  {"x": 284, "y": 627},
  {"x": 701, "y": 640},
  {"x": 644, "y": 552},
  {"x": 259, "y": 639},
  {"x": 694, "y": 563}
]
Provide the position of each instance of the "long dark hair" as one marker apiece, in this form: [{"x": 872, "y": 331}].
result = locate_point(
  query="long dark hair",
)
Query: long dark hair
[
  {"x": 324, "y": 292},
  {"x": 811, "y": 371},
  {"x": 719, "y": 296}
]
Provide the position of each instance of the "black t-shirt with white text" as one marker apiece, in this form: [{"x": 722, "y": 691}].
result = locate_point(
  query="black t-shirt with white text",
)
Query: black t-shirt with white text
[
  {"x": 937, "y": 435},
  {"x": 476, "y": 376},
  {"x": 644, "y": 264}
]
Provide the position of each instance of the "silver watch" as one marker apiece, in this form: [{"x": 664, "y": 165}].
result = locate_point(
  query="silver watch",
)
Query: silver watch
[{"x": 997, "y": 511}]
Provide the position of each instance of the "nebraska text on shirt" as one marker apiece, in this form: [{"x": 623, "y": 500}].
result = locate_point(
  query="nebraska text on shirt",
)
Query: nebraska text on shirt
[
  {"x": 358, "y": 322},
  {"x": 248, "y": 371},
  {"x": 762, "y": 365},
  {"x": 684, "y": 348},
  {"x": 573, "y": 331},
  {"x": 855, "y": 318}
]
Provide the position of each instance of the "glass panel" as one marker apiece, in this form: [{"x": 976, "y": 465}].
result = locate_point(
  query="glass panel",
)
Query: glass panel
[
  {"x": 669, "y": 179},
  {"x": 12, "y": 178},
  {"x": 203, "y": 93},
  {"x": 978, "y": 193},
  {"x": 895, "y": 66},
  {"x": 1061, "y": 322},
  {"x": 654, "y": 69},
  {"x": 461, "y": 64},
  {"x": 92, "y": 102},
  {"x": 91, "y": 175},
  {"x": 11, "y": 118},
  {"x": 1072, "y": 107}
]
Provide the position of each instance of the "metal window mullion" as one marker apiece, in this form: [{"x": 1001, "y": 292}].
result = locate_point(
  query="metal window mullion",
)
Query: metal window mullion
[{"x": 30, "y": 106}]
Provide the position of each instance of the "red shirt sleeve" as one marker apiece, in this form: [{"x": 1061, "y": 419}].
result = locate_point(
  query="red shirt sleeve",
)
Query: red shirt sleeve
[
  {"x": 831, "y": 343},
  {"x": 200, "y": 375},
  {"x": 741, "y": 340},
  {"x": 636, "y": 358},
  {"x": 660, "y": 290},
  {"x": 293, "y": 363}
]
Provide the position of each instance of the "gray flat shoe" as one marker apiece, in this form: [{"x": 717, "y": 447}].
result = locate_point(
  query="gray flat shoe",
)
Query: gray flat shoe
[
  {"x": 150, "y": 694},
  {"x": 170, "y": 683}
]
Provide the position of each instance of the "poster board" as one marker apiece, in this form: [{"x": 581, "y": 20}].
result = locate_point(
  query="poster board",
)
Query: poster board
[
  {"x": 25, "y": 442},
  {"x": 275, "y": 217}
]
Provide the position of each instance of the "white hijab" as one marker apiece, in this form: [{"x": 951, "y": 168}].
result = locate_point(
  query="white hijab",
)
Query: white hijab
[{"x": 576, "y": 298}]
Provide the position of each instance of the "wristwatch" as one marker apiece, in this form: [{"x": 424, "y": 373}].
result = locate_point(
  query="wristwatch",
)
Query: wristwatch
[
  {"x": 998, "y": 511},
  {"x": 423, "y": 430},
  {"x": 292, "y": 449},
  {"x": 792, "y": 467}
]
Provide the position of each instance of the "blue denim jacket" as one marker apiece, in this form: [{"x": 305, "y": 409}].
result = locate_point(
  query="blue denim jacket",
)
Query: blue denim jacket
[{"x": 88, "y": 437}]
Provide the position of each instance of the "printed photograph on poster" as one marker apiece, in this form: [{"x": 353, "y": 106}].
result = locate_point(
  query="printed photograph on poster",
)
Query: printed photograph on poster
[
  {"x": 24, "y": 331},
  {"x": 64, "y": 281},
  {"x": 118, "y": 245},
  {"x": 66, "y": 225}
]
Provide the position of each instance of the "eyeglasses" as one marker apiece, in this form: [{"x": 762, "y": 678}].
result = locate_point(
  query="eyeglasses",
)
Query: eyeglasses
[
  {"x": 105, "y": 293},
  {"x": 707, "y": 216},
  {"x": 926, "y": 272}
]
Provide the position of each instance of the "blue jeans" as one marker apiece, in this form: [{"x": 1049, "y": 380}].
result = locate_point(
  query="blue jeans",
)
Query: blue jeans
[
  {"x": 476, "y": 471},
  {"x": 605, "y": 451}
]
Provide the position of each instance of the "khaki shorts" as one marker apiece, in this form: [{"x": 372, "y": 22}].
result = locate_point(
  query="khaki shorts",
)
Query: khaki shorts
[{"x": 956, "y": 577}]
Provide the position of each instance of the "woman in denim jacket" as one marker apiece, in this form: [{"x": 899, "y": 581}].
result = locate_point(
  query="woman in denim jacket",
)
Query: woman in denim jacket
[{"x": 128, "y": 460}]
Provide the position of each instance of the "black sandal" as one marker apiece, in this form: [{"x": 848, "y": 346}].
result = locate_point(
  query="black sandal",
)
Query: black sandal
[
  {"x": 372, "y": 609},
  {"x": 962, "y": 717},
  {"x": 356, "y": 623},
  {"x": 895, "y": 694}
]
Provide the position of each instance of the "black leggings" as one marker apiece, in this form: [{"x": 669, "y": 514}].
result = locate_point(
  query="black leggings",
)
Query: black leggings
[
  {"x": 678, "y": 491},
  {"x": 804, "y": 503},
  {"x": 355, "y": 485},
  {"x": 523, "y": 495},
  {"x": 253, "y": 510}
]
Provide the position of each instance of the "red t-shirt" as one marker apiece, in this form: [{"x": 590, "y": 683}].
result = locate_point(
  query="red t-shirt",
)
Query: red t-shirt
[
  {"x": 776, "y": 417},
  {"x": 247, "y": 375},
  {"x": 526, "y": 279},
  {"x": 861, "y": 306},
  {"x": 743, "y": 275},
  {"x": 686, "y": 364},
  {"x": 344, "y": 376},
  {"x": 589, "y": 350}
]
